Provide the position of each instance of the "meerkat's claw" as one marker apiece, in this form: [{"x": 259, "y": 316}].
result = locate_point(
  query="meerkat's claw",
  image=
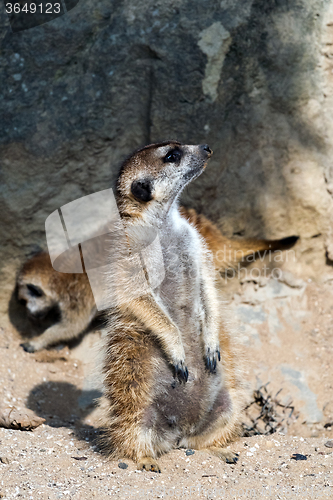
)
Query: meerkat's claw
[
  {"x": 149, "y": 464},
  {"x": 28, "y": 347},
  {"x": 228, "y": 456},
  {"x": 211, "y": 359},
  {"x": 181, "y": 371}
]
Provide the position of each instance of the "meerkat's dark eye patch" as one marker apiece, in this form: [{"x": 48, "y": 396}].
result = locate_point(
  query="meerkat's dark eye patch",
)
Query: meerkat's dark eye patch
[
  {"x": 173, "y": 156},
  {"x": 35, "y": 291},
  {"x": 142, "y": 190}
]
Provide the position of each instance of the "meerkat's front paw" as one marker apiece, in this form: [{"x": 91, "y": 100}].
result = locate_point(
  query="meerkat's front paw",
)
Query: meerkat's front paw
[
  {"x": 177, "y": 359},
  {"x": 211, "y": 358},
  {"x": 33, "y": 346},
  {"x": 29, "y": 347},
  {"x": 181, "y": 371},
  {"x": 149, "y": 464}
]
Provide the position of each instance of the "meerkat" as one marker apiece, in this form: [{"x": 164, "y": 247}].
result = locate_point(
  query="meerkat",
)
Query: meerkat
[
  {"x": 173, "y": 373},
  {"x": 41, "y": 290}
]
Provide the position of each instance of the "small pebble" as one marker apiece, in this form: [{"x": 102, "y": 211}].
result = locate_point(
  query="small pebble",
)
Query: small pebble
[
  {"x": 122, "y": 465},
  {"x": 4, "y": 460},
  {"x": 329, "y": 444},
  {"x": 189, "y": 452},
  {"x": 298, "y": 456}
]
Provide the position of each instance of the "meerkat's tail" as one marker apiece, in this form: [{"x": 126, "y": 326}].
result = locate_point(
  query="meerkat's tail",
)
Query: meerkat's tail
[{"x": 227, "y": 253}]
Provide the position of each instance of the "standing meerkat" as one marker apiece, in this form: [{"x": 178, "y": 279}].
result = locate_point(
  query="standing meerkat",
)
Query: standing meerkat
[{"x": 172, "y": 370}]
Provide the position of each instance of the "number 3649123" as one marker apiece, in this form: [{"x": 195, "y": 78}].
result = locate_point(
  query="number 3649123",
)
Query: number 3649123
[{"x": 33, "y": 8}]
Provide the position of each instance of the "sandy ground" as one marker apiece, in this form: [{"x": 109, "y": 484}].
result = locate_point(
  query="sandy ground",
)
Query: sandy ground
[
  {"x": 57, "y": 463},
  {"x": 289, "y": 341}
]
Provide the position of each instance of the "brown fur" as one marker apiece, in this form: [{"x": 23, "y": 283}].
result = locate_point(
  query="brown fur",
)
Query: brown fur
[{"x": 227, "y": 253}]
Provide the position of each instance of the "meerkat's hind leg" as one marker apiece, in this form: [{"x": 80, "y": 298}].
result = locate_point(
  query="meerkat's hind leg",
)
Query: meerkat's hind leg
[
  {"x": 228, "y": 456},
  {"x": 148, "y": 464}
]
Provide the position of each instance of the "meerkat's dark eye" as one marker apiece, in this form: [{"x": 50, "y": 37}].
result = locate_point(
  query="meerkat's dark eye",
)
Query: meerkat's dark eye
[
  {"x": 173, "y": 156},
  {"x": 142, "y": 190},
  {"x": 35, "y": 291}
]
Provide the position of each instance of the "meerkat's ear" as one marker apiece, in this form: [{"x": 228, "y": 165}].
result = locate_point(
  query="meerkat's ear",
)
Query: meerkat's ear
[{"x": 142, "y": 190}]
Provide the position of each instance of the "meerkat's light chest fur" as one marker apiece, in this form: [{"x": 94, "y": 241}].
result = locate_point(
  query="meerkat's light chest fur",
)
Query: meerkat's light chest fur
[{"x": 188, "y": 291}]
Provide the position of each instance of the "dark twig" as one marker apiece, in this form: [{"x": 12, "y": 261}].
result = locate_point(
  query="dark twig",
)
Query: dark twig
[{"x": 266, "y": 414}]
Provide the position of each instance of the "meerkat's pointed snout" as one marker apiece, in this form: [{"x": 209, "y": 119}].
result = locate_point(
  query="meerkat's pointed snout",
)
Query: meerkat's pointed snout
[{"x": 206, "y": 150}]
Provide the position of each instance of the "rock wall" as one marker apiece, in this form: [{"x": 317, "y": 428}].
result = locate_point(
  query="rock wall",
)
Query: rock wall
[{"x": 252, "y": 78}]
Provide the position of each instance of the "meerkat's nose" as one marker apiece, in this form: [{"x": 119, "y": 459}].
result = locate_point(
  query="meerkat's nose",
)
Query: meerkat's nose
[{"x": 207, "y": 149}]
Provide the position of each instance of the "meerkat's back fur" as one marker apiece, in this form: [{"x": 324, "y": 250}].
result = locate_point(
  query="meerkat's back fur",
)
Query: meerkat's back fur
[
  {"x": 164, "y": 384},
  {"x": 227, "y": 253}
]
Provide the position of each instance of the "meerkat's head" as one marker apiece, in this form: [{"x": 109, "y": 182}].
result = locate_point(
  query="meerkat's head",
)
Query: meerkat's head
[
  {"x": 33, "y": 289},
  {"x": 153, "y": 177}
]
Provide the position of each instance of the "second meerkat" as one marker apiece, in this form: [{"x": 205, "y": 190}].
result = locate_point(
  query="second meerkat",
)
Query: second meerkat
[{"x": 165, "y": 385}]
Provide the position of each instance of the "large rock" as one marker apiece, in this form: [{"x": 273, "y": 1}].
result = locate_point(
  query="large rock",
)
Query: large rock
[{"x": 252, "y": 78}]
